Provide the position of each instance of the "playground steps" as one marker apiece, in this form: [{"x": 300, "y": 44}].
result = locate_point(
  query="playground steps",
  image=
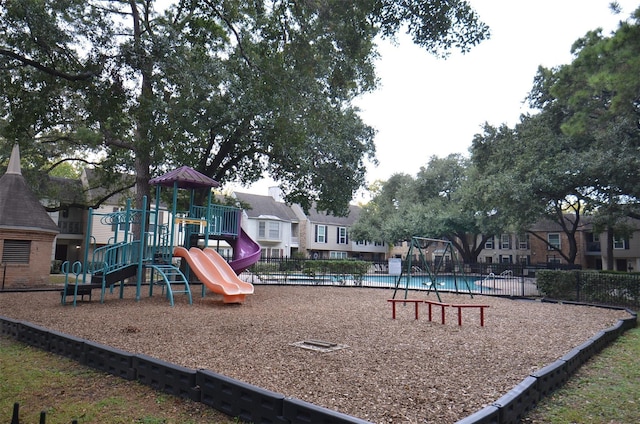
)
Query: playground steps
[
  {"x": 114, "y": 276},
  {"x": 79, "y": 289},
  {"x": 98, "y": 281},
  {"x": 169, "y": 275}
]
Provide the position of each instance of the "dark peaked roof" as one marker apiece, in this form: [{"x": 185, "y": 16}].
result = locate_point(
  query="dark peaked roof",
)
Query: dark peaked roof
[
  {"x": 186, "y": 177},
  {"x": 266, "y": 206},
  {"x": 66, "y": 191},
  {"x": 115, "y": 191},
  {"x": 324, "y": 218},
  {"x": 19, "y": 207}
]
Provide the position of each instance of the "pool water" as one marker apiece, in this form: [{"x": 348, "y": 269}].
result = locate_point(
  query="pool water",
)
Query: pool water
[{"x": 443, "y": 282}]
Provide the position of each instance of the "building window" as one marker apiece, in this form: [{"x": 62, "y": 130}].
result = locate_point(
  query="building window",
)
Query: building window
[
  {"x": 619, "y": 243},
  {"x": 321, "y": 234},
  {"x": 271, "y": 253},
  {"x": 337, "y": 255},
  {"x": 523, "y": 241},
  {"x": 119, "y": 220},
  {"x": 554, "y": 241},
  {"x": 16, "y": 251},
  {"x": 489, "y": 243},
  {"x": 505, "y": 259},
  {"x": 343, "y": 237},
  {"x": 505, "y": 241},
  {"x": 269, "y": 230}
]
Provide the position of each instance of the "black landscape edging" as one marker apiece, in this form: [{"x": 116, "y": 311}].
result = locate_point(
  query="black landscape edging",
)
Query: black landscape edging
[
  {"x": 110, "y": 360},
  {"x": 233, "y": 397},
  {"x": 239, "y": 399},
  {"x": 518, "y": 401},
  {"x": 549, "y": 378},
  {"x": 9, "y": 327},
  {"x": 254, "y": 404},
  {"x": 164, "y": 376}
]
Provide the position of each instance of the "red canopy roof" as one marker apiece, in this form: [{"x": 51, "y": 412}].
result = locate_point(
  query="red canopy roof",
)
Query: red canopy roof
[{"x": 185, "y": 177}]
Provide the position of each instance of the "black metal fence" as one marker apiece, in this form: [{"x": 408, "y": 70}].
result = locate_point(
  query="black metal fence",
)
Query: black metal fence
[
  {"x": 497, "y": 279},
  {"x": 500, "y": 279},
  {"x": 598, "y": 287}
]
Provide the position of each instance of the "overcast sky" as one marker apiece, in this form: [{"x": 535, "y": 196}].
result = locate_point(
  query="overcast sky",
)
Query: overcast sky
[{"x": 427, "y": 106}]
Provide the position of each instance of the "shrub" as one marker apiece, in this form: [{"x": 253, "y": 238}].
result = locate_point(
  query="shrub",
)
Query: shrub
[
  {"x": 340, "y": 267},
  {"x": 557, "y": 284},
  {"x": 56, "y": 266},
  {"x": 605, "y": 287}
]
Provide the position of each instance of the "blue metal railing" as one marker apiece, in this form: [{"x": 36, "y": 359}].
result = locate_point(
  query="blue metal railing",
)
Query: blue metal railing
[
  {"x": 223, "y": 220},
  {"x": 114, "y": 257}
]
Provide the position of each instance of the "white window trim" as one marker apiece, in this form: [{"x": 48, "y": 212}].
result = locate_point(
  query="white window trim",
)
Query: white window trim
[{"x": 558, "y": 246}]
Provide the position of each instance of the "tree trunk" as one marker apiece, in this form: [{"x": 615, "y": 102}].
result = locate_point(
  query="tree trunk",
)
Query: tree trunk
[{"x": 609, "y": 248}]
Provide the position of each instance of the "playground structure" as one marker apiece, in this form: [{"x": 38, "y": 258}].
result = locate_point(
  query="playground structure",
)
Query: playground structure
[
  {"x": 147, "y": 244},
  {"x": 421, "y": 245}
]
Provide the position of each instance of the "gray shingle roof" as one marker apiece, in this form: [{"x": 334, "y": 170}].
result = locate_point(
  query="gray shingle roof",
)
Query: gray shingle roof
[
  {"x": 346, "y": 221},
  {"x": 266, "y": 206},
  {"x": 97, "y": 188},
  {"x": 19, "y": 207},
  {"x": 547, "y": 225},
  {"x": 65, "y": 191}
]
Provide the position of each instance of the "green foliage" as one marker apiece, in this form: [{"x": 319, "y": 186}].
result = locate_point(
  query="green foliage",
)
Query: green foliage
[
  {"x": 237, "y": 90},
  {"x": 578, "y": 154},
  {"x": 442, "y": 202},
  {"x": 561, "y": 285},
  {"x": 66, "y": 391},
  {"x": 339, "y": 268},
  {"x": 56, "y": 266},
  {"x": 605, "y": 390},
  {"x": 65, "y": 170},
  {"x": 264, "y": 268},
  {"x": 611, "y": 288}
]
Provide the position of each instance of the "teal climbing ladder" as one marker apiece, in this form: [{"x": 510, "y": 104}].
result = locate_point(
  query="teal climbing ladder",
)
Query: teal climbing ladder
[{"x": 169, "y": 276}]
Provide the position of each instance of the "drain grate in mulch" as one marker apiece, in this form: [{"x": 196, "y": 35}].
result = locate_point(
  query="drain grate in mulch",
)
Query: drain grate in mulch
[{"x": 319, "y": 345}]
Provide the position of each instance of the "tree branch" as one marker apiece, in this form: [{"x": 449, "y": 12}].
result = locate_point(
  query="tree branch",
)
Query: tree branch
[
  {"x": 236, "y": 35},
  {"x": 46, "y": 69},
  {"x": 61, "y": 161}
]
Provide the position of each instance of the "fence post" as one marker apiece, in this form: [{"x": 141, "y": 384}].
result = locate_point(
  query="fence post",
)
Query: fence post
[{"x": 16, "y": 412}]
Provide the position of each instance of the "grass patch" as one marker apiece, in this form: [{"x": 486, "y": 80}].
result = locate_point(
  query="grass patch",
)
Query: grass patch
[
  {"x": 604, "y": 390},
  {"x": 68, "y": 391},
  {"x": 55, "y": 279}
]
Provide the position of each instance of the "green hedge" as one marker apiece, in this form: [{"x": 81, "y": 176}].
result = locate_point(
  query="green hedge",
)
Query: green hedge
[
  {"x": 354, "y": 268},
  {"x": 558, "y": 284}
]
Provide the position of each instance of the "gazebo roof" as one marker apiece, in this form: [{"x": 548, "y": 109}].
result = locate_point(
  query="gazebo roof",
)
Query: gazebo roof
[
  {"x": 19, "y": 207},
  {"x": 185, "y": 177}
]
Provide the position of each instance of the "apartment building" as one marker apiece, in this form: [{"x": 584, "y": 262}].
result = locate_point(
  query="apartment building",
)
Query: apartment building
[
  {"x": 271, "y": 223},
  {"x": 283, "y": 230}
]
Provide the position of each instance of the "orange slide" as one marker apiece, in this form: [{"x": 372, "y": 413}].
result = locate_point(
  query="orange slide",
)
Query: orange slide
[
  {"x": 227, "y": 271},
  {"x": 212, "y": 271}
]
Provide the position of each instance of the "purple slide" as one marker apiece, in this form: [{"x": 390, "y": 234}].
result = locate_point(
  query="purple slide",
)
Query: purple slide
[{"x": 246, "y": 252}]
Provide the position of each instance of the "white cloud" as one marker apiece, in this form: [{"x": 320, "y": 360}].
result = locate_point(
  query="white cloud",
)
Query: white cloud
[{"x": 427, "y": 106}]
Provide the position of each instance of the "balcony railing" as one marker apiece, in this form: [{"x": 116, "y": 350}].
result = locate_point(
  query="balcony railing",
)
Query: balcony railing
[
  {"x": 71, "y": 227},
  {"x": 593, "y": 246}
]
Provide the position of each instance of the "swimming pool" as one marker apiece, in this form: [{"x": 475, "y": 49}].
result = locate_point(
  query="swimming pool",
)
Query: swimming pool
[
  {"x": 415, "y": 282},
  {"x": 422, "y": 282}
]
